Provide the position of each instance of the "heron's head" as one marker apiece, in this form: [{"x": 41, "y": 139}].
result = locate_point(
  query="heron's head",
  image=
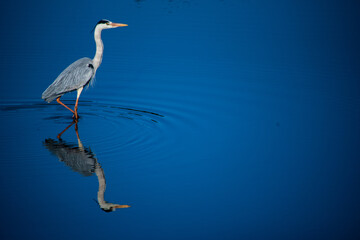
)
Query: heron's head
[{"x": 105, "y": 24}]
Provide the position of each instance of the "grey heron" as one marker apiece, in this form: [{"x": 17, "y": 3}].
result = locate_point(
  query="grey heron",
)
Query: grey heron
[{"x": 79, "y": 73}]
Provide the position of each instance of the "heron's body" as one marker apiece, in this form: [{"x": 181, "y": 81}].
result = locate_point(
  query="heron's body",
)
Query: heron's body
[
  {"x": 79, "y": 73},
  {"x": 75, "y": 76}
]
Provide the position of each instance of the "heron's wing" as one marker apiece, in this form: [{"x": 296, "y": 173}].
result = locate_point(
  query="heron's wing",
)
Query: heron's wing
[{"x": 77, "y": 75}]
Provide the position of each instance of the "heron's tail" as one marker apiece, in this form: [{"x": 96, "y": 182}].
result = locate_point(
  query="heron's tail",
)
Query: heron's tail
[{"x": 49, "y": 95}]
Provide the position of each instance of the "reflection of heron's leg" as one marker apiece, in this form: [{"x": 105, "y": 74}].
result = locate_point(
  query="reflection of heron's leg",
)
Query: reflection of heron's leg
[
  {"x": 77, "y": 101},
  {"x": 59, "y": 135},
  {"x": 58, "y": 100},
  {"x": 81, "y": 146},
  {"x": 76, "y": 130}
]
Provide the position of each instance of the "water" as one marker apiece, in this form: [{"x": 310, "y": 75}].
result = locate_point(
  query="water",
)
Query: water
[{"x": 211, "y": 119}]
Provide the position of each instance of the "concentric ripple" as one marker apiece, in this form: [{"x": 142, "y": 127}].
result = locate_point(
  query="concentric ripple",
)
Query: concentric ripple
[
  {"x": 145, "y": 132},
  {"x": 111, "y": 131}
]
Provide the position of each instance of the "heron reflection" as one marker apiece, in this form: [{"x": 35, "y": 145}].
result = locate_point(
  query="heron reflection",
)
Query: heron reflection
[{"x": 82, "y": 160}]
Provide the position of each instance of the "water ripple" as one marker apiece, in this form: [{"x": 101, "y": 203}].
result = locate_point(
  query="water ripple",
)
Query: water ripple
[{"x": 111, "y": 128}]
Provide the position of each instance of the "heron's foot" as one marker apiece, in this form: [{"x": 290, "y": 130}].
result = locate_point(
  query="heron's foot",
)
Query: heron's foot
[{"x": 75, "y": 117}]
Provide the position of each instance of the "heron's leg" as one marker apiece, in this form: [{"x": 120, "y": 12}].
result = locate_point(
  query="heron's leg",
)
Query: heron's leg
[
  {"x": 77, "y": 102},
  {"x": 58, "y": 100}
]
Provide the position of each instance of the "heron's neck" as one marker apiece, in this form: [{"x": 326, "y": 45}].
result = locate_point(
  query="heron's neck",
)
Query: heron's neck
[{"x": 99, "y": 48}]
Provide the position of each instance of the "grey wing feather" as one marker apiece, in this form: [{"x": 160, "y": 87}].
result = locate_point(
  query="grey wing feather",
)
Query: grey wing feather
[{"x": 75, "y": 76}]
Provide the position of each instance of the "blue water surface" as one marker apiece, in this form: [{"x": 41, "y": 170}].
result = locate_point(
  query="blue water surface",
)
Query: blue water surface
[{"x": 216, "y": 119}]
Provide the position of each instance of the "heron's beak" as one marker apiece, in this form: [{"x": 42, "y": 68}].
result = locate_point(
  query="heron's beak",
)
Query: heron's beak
[
  {"x": 121, "y": 206},
  {"x": 118, "y": 24}
]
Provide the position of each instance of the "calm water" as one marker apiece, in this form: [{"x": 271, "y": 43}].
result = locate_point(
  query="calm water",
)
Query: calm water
[{"x": 211, "y": 119}]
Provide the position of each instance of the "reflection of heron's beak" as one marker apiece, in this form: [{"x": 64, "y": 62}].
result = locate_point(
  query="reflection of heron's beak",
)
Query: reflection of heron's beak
[
  {"x": 118, "y": 24},
  {"x": 121, "y": 206}
]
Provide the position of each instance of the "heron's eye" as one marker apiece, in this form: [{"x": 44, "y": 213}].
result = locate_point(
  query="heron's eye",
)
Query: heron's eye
[{"x": 107, "y": 23}]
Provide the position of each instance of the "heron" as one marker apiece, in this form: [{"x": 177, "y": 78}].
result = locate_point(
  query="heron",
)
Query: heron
[{"x": 80, "y": 73}]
